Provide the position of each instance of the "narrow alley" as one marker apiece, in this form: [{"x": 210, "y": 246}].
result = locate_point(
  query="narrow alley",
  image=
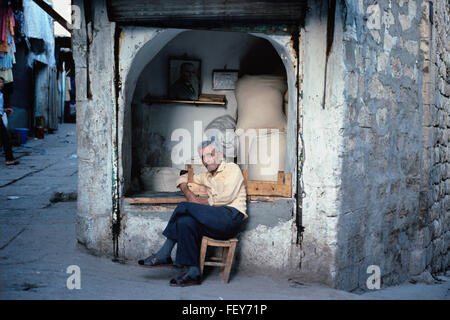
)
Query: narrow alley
[{"x": 38, "y": 245}]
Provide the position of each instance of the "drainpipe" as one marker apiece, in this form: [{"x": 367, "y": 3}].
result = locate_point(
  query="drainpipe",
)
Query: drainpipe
[
  {"x": 115, "y": 146},
  {"x": 295, "y": 36}
]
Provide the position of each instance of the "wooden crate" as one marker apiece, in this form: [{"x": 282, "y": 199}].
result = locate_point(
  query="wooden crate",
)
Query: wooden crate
[{"x": 280, "y": 188}]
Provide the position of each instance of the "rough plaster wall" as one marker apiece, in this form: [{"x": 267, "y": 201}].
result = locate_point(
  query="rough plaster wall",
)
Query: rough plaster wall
[
  {"x": 264, "y": 241},
  {"x": 266, "y": 248},
  {"x": 94, "y": 123},
  {"x": 322, "y": 146},
  {"x": 136, "y": 50},
  {"x": 433, "y": 231},
  {"x": 142, "y": 234}
]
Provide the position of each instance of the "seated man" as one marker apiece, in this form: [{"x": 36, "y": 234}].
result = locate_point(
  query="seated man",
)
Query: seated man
[{"x": 219, "y": 216}]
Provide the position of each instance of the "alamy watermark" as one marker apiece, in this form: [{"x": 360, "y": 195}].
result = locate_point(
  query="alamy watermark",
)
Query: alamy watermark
[
  {"x": 374, "y": 19},
  {"x": 74, "y": 280},
  {"x": 250, "y": 146},
  {"x": 374, "y": 280}
]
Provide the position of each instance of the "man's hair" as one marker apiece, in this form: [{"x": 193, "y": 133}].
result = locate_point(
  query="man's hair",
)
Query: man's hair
[
  {"x": 1, "y": 78},
  {"x": 211, "y": 141}
]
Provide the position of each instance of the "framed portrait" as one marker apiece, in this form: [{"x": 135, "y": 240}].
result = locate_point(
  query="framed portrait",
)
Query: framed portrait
[
  {"x": 224, "y": 79},
  {"x": 184, "y": 79}
]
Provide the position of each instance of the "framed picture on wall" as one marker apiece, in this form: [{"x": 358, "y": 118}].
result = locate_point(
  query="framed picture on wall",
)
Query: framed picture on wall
[
  {"x": 224, "y": 79},
  {"x": 184, "y": 79}
]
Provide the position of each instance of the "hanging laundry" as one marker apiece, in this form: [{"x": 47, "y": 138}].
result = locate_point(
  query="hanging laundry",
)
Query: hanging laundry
[
  {"x": 7, "y": 43},
  {"x": 7, "y": 75},
  {"x": 7, "y": 24}
]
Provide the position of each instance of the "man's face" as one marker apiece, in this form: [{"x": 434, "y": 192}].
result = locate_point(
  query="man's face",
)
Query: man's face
[
  {"x": 188, "y": 72},
  {"x": 210, "y": 158}
]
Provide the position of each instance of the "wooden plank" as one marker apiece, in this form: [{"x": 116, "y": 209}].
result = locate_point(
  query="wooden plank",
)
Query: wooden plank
[
  {"x": 212, "y": 97},
  {"x": 55, "y": 15},
  {"x": 215, "y": 259},
  {"x": 190, "y": 173},
  {"x": 257, "y": 190},
  {"x": 245, "y": 174},
  {"x": 264, "y": 198},
  {"x": 134, "y": 201},
  {"x": 280, "y": 177},
  {"x": 214, "y": 264},
  {"x": 230, "y": 11},
  {"x": 196, "y": 102}
]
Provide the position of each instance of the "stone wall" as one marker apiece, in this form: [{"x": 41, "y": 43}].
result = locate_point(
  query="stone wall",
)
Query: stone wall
[
  {"x": 433, "y": 228},
  {"x": 394, "y": 154},
  {"x": 93, "y": 47}
]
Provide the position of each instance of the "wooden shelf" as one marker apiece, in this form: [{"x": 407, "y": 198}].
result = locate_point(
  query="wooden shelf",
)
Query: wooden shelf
[
  {"x": 257, "y": 190},
  {"x": 204, "y": 99}
]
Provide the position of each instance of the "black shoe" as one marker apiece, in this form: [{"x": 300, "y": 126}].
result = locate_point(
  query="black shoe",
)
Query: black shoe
[
  {"x": 154, "y": 262},
  {"x": 185, "y": 281}
]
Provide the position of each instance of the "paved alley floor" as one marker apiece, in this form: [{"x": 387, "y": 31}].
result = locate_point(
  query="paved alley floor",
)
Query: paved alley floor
[{"x": 38, "y": 245}]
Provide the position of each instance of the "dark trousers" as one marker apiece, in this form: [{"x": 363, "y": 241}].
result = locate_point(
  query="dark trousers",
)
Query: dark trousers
[
  {"x": 191, "y": 221},
  {"x": 6, "y": 142}
]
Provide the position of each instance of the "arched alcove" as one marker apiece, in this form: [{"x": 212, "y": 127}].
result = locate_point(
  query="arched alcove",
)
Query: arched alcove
[
  {"x": 145, "y": 135},
  {"x": 143, "y": 70}
]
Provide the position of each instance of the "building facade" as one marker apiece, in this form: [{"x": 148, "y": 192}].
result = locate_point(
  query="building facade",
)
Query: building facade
[{"x": 367, "y": 134}]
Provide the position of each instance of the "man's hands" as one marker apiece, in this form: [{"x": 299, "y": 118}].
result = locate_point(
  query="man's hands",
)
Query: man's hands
[
  {"x": 190, "y": 196},
  {"x": 9, "y": 111}
]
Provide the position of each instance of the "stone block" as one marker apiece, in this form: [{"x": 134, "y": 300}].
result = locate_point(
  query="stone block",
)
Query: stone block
[
  {"x": 424, "y": 237},
  {"x": 389, "y": 42},
  {"x": 376, "y": 89},
  {"x": 428, "y": 136},
  {"x": 437, "y": 231},
  {"x": 447, "y": 240},
  {"x": 429, "y": 115},
  {"x": 424, "y": 47},
  {"x": 442, "y": 116},
  {"x": 410, "y": 164},
  {"x": 396, "y": 68},
  {"x": 417, "y": 261},
  {"x": 405, "y": 21},
  {"x": 382, "y": 61},
  {"x": 445, "y": 142},
  {"x": 436, "y": 263},
  {"x": 412, "y": 47},
  {"x": 447, "y": 262},
  {"x": 434, "y": 214},
  {"x": 352, "y": 84},
  {"x": 428, "y": 94}
]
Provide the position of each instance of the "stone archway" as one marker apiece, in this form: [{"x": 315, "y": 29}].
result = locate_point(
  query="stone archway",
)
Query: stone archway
[{"x": 137, "y": 47}]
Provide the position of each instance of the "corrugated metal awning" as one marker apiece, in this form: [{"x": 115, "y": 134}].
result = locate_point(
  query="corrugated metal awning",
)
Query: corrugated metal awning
[{"x": 210, "y": 13}]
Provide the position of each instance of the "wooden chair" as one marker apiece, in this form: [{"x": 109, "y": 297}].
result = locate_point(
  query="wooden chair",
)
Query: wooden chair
[{"x": 224, "y": 262}]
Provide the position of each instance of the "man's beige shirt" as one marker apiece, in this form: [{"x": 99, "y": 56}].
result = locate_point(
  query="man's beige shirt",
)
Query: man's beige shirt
[{"x": 225, "y": 188}]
